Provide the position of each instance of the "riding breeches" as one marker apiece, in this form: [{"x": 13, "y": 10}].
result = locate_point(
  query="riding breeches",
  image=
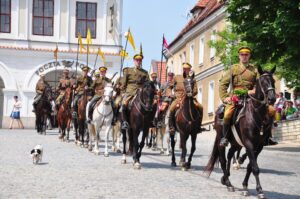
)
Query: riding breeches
[
  {"x": 229, "y": 110},
  {"x": 59, "y": 98}
]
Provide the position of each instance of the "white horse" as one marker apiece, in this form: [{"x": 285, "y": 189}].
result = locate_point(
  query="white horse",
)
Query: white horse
[{"x": 102, "y": 118}]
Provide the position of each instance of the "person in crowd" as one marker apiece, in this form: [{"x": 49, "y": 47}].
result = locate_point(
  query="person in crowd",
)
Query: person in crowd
[
  {"x": 290, "y": 112},
  {"x": 279, "y": 106},
  {"x": 15, "y": 114}
]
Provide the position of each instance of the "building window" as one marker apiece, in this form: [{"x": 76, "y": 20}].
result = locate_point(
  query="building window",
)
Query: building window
[
  {"x": 43, "y": 17},
  {"x": 192, "y": 54},
  {"x": 200, "y": 100},
  {"x": 5, "y": 16},
  {"x": 201, "y": 51},
  {"x": 213, "y": 39},
  {"x": 86, "y": 17},
  {"x": 211, "y": 97},
  {"x": 184, "y": 56}
]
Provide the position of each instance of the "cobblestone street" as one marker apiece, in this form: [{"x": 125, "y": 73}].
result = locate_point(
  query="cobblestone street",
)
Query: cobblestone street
[{"x": 68, "y": 171}]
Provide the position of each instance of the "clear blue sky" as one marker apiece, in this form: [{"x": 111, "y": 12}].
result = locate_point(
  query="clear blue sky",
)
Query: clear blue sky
[{"x": 149, "y": 19}]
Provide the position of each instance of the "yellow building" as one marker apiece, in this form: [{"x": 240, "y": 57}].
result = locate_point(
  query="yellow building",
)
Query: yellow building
[{"x": 191, "y": 45}]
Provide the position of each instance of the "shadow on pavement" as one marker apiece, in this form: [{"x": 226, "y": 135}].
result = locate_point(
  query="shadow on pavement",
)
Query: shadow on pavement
[
  {"x": 285, "y": 149},
  {"x": 275, "y": 194},
  {"x": 280, "y": 173}
]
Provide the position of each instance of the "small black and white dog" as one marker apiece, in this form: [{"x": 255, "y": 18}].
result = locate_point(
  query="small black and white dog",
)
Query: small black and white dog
[{"x": 37, "y": 154}]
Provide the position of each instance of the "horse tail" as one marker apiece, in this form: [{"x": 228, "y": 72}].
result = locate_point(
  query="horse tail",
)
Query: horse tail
[{"x": 215, "y": 154}]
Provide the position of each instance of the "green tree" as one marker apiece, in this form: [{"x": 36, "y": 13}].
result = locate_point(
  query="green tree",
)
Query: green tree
[{"x": 273, "y": 27}]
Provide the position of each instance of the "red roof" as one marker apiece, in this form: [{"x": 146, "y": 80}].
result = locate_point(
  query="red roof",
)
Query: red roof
[
  {"x": 209, "y": 7},
  {"x": 200, "y": 4}
]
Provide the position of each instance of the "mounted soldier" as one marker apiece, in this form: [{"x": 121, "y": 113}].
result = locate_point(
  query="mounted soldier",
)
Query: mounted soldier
[
  {"x": 133, "y": 79},
  {"x": 40, "y": 87},
  {"x": 180, "y": 94},
  {"x": 242, "y": 77},
  {"x": 167, "y": 88},
  {"x": 154, "y": 80},
  {"x": 83, "y": 84},
  {"x": 64, "y": 83},
  {"x": 98, "y": 86}
]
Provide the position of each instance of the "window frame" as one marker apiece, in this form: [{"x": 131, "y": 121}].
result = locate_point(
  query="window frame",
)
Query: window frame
[
  {"x": 192, "y": 54},
  {"x": 43, "y": 19},
  {"x": 86, "y": 19},
  {"x": 211, "y": 98},
  {"x": 6, "y": 14},
  {"x": 201, "y": 50},
  {"x": 213, "y": 37}
]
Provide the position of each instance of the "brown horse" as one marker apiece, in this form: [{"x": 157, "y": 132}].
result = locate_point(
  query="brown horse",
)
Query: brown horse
[
  {"x": 64, "y": 116},
  {"x": 80, "y": 121},
  {"x": 188, "y": 123},
  {"x": 249, "y": 131},
  {"x": 141, "y": 116}
]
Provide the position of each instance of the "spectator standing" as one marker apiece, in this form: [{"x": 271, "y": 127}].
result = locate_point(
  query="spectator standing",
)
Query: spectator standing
[
  {"x": 15, "y": 114},
  {"x": 290, "y": 111},
  {"x": 279, "y": 105}
]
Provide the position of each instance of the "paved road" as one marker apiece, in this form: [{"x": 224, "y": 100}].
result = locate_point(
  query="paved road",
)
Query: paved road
[{"x": 69, "y": 171}]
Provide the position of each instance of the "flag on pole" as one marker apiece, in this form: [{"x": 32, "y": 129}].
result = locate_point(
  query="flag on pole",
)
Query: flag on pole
[
  {"x": 131, "y": 40},
  {"x": 56, "y": 52},
  {"x": 80, "y": 43},
  {"x": 123, "y": 53},
  {"x": 88, "y": 37},
  {"x": 101, "y": 54},
  {"x": 166, "y": 50}
]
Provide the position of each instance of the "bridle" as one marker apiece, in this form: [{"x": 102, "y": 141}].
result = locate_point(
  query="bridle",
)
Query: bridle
[
  {"x": 144, "y": 106},
  {"x": 265, "y": 92}
]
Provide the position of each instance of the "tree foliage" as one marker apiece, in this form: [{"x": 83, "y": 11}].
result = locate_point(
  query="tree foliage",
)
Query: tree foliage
[{"x": 273, "y": 27}]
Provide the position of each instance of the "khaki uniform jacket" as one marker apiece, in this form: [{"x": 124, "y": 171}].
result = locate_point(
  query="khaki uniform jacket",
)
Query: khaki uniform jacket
[
  {"x": 167, "y": 88},
  {"x": 65, "y": 83},
  {"x": 179, "y": 87},
  {"x": 40, "y": 86},
  {"x": 244, "y": 77},
  {"x": 99, "y": 85},
  {"x": 133, "y": 80},
  {"x": 82, "y": 82}
]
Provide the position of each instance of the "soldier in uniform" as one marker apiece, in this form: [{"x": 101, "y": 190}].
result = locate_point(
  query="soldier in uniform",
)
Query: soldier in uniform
[
  {"x": 179, "y": 95},
  {"x": 39, "y": 89},
  {"x": 83, "y": 84},
  {"x": 154, "y": 80},
  {"x": 132, "y": 80},
  {"x": 64, "y": 83},
  {"x": 167, "y": 88},
  {"x": 98, "y": 86},
  {"x": 243, "y": 77}
]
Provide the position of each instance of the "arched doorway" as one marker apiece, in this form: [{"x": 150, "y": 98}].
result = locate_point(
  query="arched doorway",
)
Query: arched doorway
[{"x": 1, "y": 101}]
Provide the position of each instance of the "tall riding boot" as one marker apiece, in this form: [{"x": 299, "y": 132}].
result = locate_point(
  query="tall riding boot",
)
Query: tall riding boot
[
  {"x": 172, "y": 122},
  {"x": 114, "y": 110},
  {"x": 224, "y": 140},
  {"x": 75, "y": 111},
  {"x": 90, "y": 112},
  {"x": 125, "y": 124}
]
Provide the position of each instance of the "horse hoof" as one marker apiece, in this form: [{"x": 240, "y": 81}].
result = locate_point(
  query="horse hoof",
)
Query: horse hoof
[
  {"x": 245, "y": 193},
  {"x": 106, "y": 155},
  {"x": 261, "y": 196},
  {"x": 230, "y": 189},
  {"x": 90, "y": 149},
  {"x": 161, "y": 152},
  {"x": 118, "y": 151},
  {"x": 223, "y": 180},
  {"x": 123, "y": 162},
  {"x": 137, "y": 165},
  {"x": 173, "y": 164},
  {"x": 97, "y": 152},
  {"x": 183, "y": 169},
  {"x": 86, "y": 146}
]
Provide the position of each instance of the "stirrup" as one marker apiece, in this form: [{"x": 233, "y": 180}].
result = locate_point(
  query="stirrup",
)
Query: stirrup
[
  {"x": 124, "y": 125},
  {"x": 74, "y": 115},
  {"x": 224, "y": 142}
]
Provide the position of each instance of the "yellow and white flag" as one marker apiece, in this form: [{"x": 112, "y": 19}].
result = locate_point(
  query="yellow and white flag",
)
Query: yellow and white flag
[
  {"x": 101, "y": 54},
  {"x": 81, "y": 43},
  {"x": 131, "y": 40},
  {"x": 88, "y": 37}
]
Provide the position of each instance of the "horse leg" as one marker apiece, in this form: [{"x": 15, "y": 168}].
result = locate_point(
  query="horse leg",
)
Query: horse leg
[
  {"x": 118, "y": 141},
  {"x": 96, "y": 147},
  {"x": 124, "y": 139},
  {"x": 183, "y": 140},
  {"x": 246, "y": 179},
  {"x": 255, "y": 171},
  {"x": 242, "y": 159},
  {"x": 106, "y": 154},
  {"x": 91, "y": 130},
  {"x": 142, "y": 144},
  {"x": 236, "y": 165},
  {"x": 230, "y": 154},
  {"x": 150, "y": 142},
  {"x": 160, "y": 139},
  {"x": 136, "y": 163},
  {"x": 193, "y": 148},
  {"x": 172, "y": 136}
]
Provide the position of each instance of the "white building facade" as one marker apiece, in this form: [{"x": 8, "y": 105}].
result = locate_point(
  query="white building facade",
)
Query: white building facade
[{"x": 29, "y": 33}]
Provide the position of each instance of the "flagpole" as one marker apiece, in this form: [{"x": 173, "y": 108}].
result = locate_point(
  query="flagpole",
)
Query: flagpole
[
  {"x": 56, "y": 66},
  {"x": 77, "y": 57},
  {"x": 123, "y": 57},
  {"x": 161, "y": 60},
  {"x": 96, "y": 60}
]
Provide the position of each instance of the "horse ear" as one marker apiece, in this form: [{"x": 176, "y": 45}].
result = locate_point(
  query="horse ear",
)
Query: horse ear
[
  {"x": 273, "y": 70},
  {"x": 260, "y": 70}
]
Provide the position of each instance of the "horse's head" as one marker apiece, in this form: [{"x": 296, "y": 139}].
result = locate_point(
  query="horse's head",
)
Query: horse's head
[
  {"x": 266, "y": 85},
  {"x": 189, "y": 83},
  {"x": 108, "y": 92},
  {"x": 48, "y": 94},
  {"x": 147, "y": 94}
]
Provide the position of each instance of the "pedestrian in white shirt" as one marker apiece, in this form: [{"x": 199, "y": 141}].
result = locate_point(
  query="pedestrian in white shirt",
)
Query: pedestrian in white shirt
[{"x": 15, "y": 114}]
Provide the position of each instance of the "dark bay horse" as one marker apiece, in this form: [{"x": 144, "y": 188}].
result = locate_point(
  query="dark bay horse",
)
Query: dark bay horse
[
  {"x": 249, "y": 130},
  {"x": 64, "y": 116},
  {"x": 140, "y": 117},
  {"x": 80, "y": 121},
  {"x": 188, "y": 123},
  {"x": 43, "y": 110}
]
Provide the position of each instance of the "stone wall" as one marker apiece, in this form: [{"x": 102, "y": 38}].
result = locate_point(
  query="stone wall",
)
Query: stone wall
[{"x": 288, "y": 131}]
